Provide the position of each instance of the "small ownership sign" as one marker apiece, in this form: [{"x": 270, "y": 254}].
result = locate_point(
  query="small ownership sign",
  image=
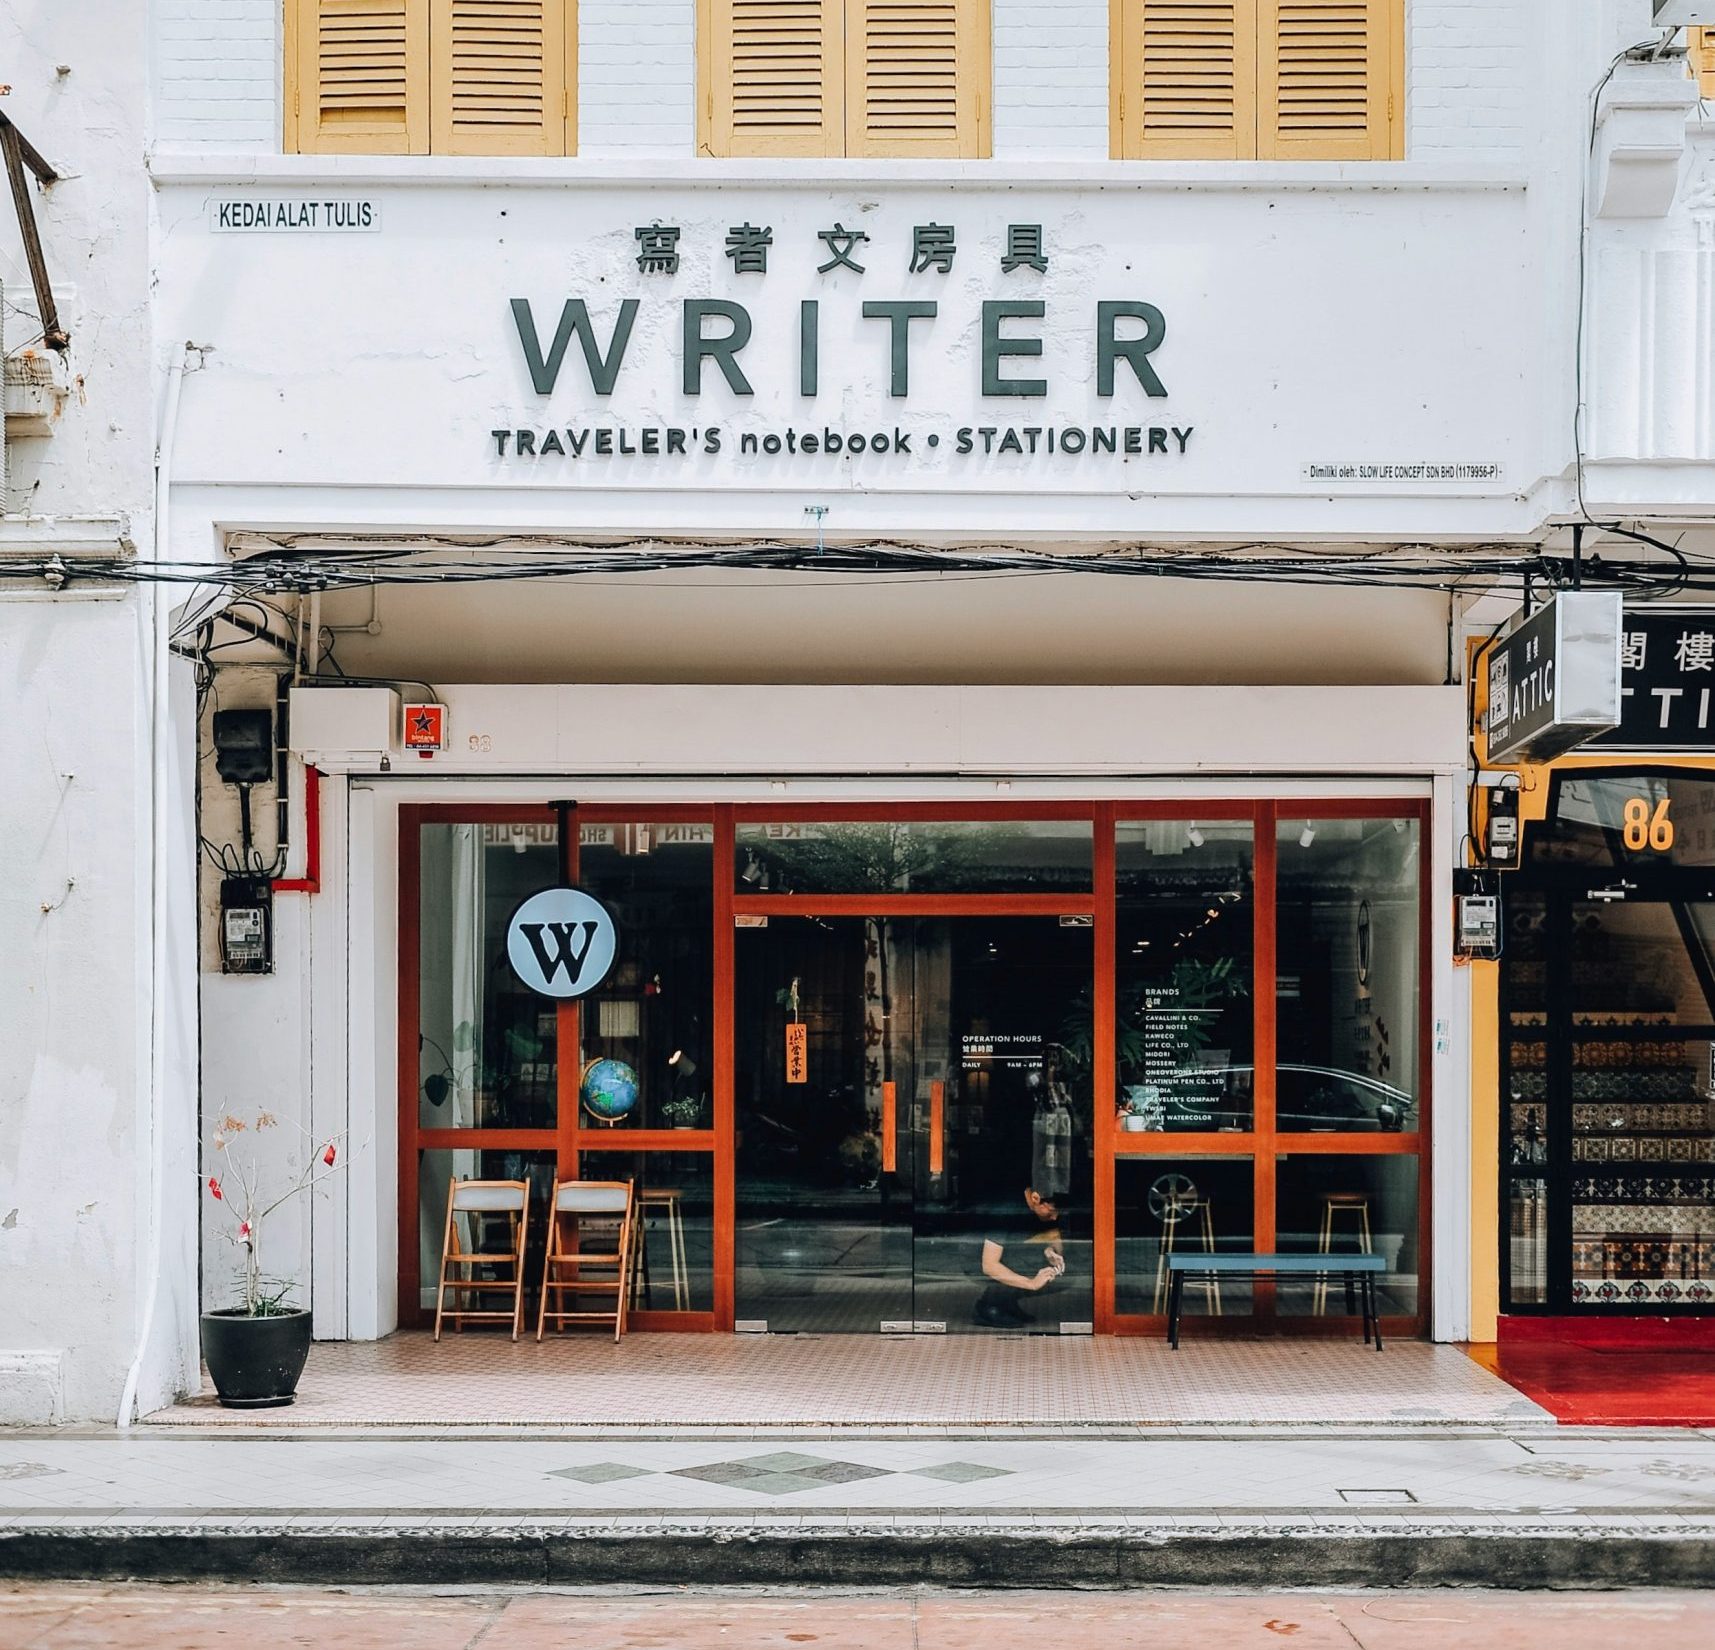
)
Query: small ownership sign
[
  {"x": 294, "y": 215},
  {"x": 1554, "y": 681}
]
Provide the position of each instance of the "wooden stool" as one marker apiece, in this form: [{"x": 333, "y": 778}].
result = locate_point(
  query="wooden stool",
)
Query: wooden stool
[
  {"x": 475, "y": 1199},
  {"x": 1358, "y": 1203},
  {"x": 668, "y": 1198},
  {"x": 568, "y": 1266}
]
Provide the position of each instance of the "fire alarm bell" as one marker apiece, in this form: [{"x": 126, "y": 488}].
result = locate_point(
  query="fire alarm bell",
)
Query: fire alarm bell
[
  {"x": 246, "y": 925},
  {"x": 425, "y": 729}
]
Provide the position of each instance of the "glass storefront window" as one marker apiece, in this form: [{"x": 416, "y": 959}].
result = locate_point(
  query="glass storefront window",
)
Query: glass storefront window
[
  {"x": 1347, "y": 971},
  {"x": 1184, "y": 1009},
  {"x": 653, "y": 1013},
  {"x": 1003, "y": 856},
  {"x": 436, "y": 1170},
  {"x": 1174, "y": 1205},
  {"x": 487, "y": 1045},
  {"x": 1642, "y": 964},
  {"x": 1636, "y": 820},
  {"x": 1340, "y": 1204},
  {"x": 676, "y": 1196}
]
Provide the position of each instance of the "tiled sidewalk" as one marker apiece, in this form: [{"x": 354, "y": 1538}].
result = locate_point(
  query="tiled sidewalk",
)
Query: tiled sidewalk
[
  {"x": 854, "y": 1380},
  {"x": 1089, "y": 1507},
  {"x": 1343, "y": 1478}
]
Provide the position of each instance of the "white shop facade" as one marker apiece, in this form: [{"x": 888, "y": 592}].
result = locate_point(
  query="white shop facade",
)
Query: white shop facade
[{"x": 787, "y": 551}]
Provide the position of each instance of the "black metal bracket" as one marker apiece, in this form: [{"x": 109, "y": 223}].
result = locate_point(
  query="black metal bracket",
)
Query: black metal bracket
[{"x": 19, "y": 153}]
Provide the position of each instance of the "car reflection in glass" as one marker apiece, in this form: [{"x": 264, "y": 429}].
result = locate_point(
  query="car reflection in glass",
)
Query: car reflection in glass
[{"x": 1308, "y": 1100}]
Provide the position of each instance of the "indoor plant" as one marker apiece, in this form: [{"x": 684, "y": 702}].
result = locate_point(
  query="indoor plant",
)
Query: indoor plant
[{"x": 255, "y": 1350}]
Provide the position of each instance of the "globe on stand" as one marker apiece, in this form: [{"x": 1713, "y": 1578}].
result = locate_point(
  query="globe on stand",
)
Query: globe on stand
[{"x": 608, "y": 1090}]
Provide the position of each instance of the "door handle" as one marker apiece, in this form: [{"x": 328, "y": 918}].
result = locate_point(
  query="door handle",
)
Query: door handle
[
  {"x": 937, "y": 1127},
  {"x": 889, "y": 1128}
]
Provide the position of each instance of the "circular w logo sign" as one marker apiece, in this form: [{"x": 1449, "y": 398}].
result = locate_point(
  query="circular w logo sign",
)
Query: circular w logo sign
[{"x": 562, "y": 942}]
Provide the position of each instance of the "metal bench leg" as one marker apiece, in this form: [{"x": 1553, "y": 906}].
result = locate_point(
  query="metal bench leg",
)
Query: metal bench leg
[
  {"x": 1351, "y": 1293},
  {"x": 1375, "y": 1308},
  {"x": 1175, "y": 1300}
]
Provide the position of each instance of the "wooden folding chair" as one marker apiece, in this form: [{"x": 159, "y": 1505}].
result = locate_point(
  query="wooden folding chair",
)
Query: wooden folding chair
[
  {"x": 475, "y": 1201},
  {"x": 573, "y": 1267}
]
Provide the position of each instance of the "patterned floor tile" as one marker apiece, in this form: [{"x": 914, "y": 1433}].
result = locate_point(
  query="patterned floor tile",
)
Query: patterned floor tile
[
  {"x": 961, "y": 1472},
  {"x": 599, "y": 1472}
]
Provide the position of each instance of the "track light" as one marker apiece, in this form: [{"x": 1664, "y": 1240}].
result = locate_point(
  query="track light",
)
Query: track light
[
  {"x": 1307, "y": 835},
  {"x": 1194, "y": 836},
  {"x": 752, "y": 872}
]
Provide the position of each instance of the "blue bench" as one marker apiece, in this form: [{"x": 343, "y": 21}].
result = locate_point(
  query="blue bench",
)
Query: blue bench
[{"x": 1359, "y": 1272}]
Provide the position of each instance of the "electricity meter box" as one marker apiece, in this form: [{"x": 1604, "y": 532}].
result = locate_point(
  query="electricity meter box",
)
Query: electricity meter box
[
  {"x": 246, "y": 925},
  {"x": 1477, "y": 914}
]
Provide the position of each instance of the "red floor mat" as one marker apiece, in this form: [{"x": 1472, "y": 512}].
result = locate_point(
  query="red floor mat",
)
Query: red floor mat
[{"x": 1609, "y": 1386}]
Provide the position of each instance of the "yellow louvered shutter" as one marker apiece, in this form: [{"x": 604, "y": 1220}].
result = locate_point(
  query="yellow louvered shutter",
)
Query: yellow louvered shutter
[
  {"x": 774, "y": 77},
  {"x": 499, "y": 79},
  {"x": 1185, "y": 80},
  {"x": 360, "y": 77},
  {"x": 1325, "y": 80},
  {"x": 917, "y": 77},
  {"x": 1702, "y": 48}
]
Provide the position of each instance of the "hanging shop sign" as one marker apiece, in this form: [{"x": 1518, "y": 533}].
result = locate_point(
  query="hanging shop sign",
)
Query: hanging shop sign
[
  {"x": 1667, "y": 681},
  {"x": 562, "y": 943},
  {"x": 1554, "y": 682}
]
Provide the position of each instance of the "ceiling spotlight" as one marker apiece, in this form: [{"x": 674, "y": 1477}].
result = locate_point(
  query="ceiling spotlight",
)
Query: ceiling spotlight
[
  {"x": 752, "y": 871},
  {"x": 1307, "y": 835},
  {"x": 1194, "y": 836}
]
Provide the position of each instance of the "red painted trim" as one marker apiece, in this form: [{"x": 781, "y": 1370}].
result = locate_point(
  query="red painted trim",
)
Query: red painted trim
[
  {"x": 726, "y": 1116},
  {"x": 914, "y": 905},
  {"x": 1104, "y": 1054},
  {"x": 410, "y": 1019},
  {"x": 1639, "y": 1334},
  {"x": 311, "y": 881}
]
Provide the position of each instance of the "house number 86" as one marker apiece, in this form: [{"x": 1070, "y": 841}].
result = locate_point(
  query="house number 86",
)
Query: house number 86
[{"x": 1644, "y": 829}]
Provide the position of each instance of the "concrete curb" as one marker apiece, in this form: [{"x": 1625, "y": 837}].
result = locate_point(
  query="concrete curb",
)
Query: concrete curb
[{"x": 1047, "y": 1555}]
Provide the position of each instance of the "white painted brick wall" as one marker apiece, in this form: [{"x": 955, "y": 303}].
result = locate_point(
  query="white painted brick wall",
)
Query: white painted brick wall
[
  {"x": 217, "y": 74},
  {"x": 637, "y": 78},
  {"x": 1470, "y": 77},
  {"x": 1051, "y": 80}
]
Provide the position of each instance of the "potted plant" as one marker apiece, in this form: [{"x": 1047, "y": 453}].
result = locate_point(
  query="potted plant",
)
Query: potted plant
[
  {"x": 255, "y": 1350},
  {"x": 683, "y": 1111}
]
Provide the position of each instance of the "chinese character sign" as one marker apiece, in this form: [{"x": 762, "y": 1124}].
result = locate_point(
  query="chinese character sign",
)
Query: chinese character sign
[{"x": 797, "y": 1052}]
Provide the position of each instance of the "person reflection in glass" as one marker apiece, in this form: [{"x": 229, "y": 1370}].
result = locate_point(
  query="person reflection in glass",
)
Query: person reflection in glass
[{"x": 1011, "y": 1269}]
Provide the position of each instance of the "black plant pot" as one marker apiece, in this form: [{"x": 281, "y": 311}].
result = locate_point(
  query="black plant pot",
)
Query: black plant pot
[{"x": 255, "y": 1362}]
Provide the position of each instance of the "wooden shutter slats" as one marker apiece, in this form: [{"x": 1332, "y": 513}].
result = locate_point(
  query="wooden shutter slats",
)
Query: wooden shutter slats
[
  {"x": 501, "y": 76},
  {"x": 474, "y": 77},
  {"x": 359, "y": 71},
  {"x": 1324, "y": 80},
  {"x": 1269, "y": 79},
  {"x": 913, "y": 75},
  {"x": 1186, "y": 78},
  {"x": 773, "y": 69}
]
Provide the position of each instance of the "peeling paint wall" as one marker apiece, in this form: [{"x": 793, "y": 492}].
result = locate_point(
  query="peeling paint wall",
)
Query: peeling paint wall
[{"x": 77, "y": 1122}]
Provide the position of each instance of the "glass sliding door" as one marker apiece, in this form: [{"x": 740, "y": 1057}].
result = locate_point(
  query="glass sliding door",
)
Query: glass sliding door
[
  {"x": 902, "y": 1084},
  {"x": 825, "y": 1084},
  {"x": 1269, "y": 1052}
]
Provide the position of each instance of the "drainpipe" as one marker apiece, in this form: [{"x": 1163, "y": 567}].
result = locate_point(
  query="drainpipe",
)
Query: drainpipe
[{"x": 160, "y": 609}]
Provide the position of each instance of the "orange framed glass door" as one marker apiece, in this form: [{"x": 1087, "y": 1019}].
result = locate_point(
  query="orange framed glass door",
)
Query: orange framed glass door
[{"x": 1243, "y": 1055}]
